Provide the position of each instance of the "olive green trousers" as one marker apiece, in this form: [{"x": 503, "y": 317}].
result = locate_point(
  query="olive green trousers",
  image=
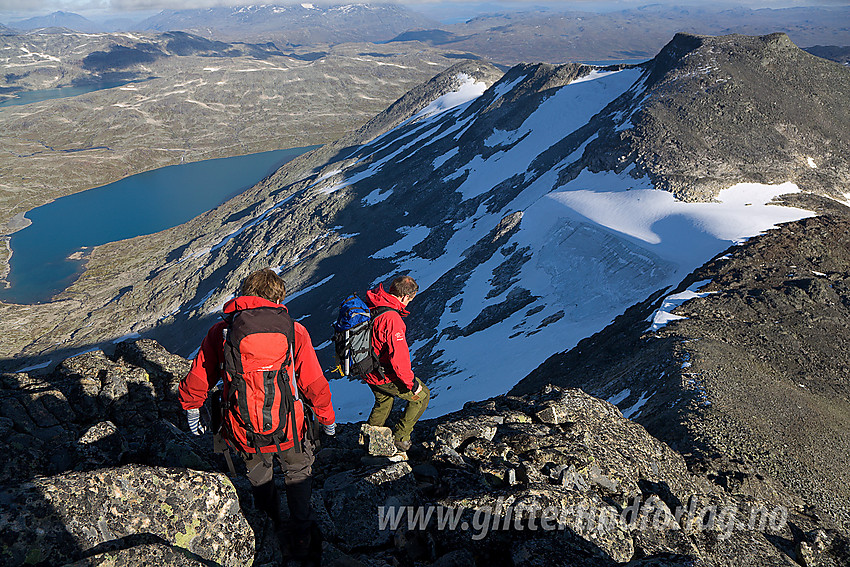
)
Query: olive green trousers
[{"x": 416, "y": 404}]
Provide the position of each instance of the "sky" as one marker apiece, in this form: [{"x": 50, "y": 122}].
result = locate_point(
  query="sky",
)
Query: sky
[{"x": 41, "y": 7}]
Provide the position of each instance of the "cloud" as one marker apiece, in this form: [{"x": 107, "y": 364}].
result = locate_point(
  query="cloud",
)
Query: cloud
[
  {"x": 48, "y": 6},
  {"x": 131, "y": 5},
  {"x": 45, "y": 6}
]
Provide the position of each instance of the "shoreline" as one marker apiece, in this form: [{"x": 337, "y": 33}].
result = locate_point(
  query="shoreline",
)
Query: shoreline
[{"x": 5, "y": 263}]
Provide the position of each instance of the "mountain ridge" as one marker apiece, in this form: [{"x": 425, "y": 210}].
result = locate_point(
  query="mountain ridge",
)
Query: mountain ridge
[
  {"x": 292, "y": 24},
  {"x": 110, "y": 427},
  {"x": 475, "y": 181}
]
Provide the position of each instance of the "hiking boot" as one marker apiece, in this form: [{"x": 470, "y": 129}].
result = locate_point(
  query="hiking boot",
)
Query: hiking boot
[
  {"x": 402, "y": 446},
  {"x": 306, "y": 546},
  {"x": 300, "y": 547}
]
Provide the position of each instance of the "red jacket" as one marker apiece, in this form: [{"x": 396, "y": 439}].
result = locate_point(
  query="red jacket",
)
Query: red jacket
[
  {"x": 207, "y": 368},
  {"x": 389, "y": 341}
]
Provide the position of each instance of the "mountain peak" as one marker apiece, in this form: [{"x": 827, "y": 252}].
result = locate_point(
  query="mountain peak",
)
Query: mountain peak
[{"x": 714, "y": 111}]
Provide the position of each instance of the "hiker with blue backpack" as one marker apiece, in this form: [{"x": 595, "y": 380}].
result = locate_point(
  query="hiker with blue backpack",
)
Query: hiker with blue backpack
[
  {"x": 382, "y": 358},
  {"x": 271, "y": 382}
]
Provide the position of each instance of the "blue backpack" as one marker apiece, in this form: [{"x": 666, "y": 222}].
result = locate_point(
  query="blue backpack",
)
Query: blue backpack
[{"x": 353, "y": 338}]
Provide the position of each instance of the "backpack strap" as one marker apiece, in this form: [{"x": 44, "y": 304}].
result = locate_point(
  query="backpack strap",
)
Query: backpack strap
[
  {"x": 380, "y": 310},
  {"x": 375, "y": 312}
]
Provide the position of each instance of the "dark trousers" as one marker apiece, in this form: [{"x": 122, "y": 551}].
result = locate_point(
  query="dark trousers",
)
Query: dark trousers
[{"x": 298, "y": 478}]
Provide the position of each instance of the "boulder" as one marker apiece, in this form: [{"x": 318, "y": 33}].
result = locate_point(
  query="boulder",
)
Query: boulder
[
  {"x": 165, "y": 370},
  {"x": 379, "y": 441},
  {"x": 455, "y": 433},
  {"x": 61, "y": 519}
]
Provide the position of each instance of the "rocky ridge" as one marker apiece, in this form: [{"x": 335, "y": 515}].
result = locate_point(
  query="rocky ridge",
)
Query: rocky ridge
[{"x": 551, "y": 477}]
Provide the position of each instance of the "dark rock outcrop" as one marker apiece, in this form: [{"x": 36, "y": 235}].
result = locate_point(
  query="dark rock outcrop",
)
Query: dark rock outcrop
[{"x": 561, "y": 478}]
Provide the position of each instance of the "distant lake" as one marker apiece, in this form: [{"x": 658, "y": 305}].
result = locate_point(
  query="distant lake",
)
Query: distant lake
[
  {"x": 28, "y": 97},
  {"x": 141, "y": 204}
]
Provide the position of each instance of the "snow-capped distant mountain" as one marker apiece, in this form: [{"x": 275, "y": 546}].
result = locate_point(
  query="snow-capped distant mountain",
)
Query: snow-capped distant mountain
[{"x": 294, "y": 23}]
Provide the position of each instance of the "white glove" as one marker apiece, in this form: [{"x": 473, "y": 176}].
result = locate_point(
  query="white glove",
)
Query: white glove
[
  {"x": 329, "y": 429},
  {"x": 193, "y": 417}
]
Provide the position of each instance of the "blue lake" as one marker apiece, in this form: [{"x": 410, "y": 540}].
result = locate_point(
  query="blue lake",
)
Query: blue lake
[
  {"x": 134, "y": 206},
  {"x": 28, "y": 97}
]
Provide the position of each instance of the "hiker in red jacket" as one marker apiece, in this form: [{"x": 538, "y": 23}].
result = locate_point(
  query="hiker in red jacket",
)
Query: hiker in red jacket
[
  {"x": 278, "y": 367},
  {"x": 390, "y": 345}
]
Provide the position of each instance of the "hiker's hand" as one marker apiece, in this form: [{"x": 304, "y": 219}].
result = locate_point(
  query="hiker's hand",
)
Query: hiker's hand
[
  {"x": 193, "y": 417},
  {"x": 329, "y": 429},
  {"x": 418, "y": 388}
]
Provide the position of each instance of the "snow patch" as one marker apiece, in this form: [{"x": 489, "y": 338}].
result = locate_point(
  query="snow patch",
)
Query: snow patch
[
  {"x": 501, "y": 89},
  {"x": 811, "y": 163},
  {"x": 630, "y": 412},
  {"x": 620, "y": 397},
  {"x": 412, "y": 235},
  {"x": 664, "y": 314},
  {"x": 35, "y": 367},
  {"x": 592, "y": 76},
  {"x": 127, "y": 337},
  {"x": 545, "y": 127},
  {"x": 656, "y": 217},
  {"x": 468, "y": 90},
  {"x": 376, "y": 196},
  {"x": 440, "y": 160}
]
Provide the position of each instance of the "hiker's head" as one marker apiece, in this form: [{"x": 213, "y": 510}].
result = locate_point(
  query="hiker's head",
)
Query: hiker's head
[
  {"x": 265, "y": 283},
  {"x": 404, "y": 288}
]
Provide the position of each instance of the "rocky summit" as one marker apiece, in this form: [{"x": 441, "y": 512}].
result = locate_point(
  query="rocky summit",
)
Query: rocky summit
[{"x": 99, "y": 470}]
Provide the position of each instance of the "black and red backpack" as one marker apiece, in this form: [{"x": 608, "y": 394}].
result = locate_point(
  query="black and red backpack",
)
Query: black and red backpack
[{"x": 260, "y": 392}]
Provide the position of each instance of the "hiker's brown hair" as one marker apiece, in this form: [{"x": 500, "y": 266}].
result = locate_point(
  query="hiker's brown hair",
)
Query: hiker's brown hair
[
  {"x": 404, "y": 285},
  {"x": 265, "y": 283}
]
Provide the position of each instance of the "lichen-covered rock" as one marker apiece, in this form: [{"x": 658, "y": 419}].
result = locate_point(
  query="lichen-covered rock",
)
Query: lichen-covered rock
[
  {"x": 165, "y": 370},
  {"x": 102, "y": 445},
  {"x": 94, "y": 411},
  {"x": 56, "y": 520},
  {"x": 378, "y": 440},
  {"x": 454, "y": 433}
]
